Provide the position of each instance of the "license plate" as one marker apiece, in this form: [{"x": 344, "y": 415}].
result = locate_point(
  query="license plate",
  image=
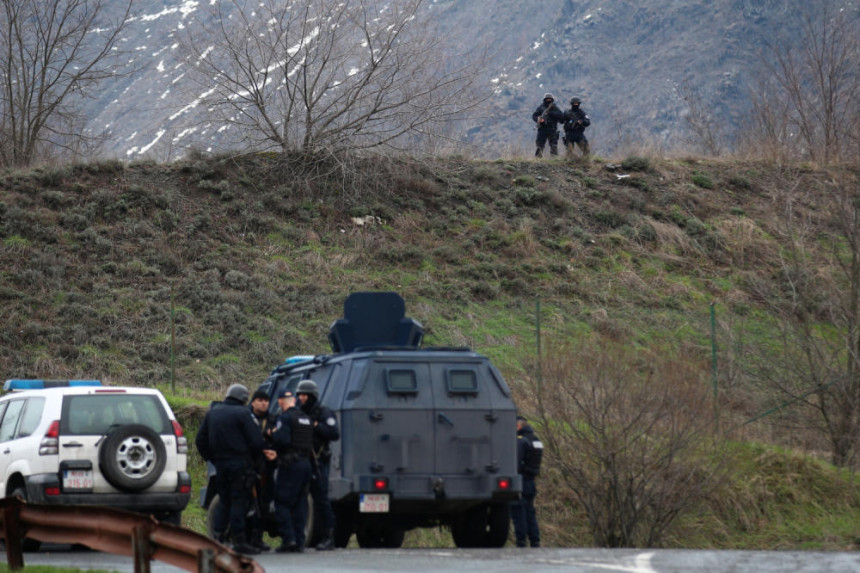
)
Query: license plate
[
  {"x": 77, "y": 479},
  {"x": 373, "y": 503}
]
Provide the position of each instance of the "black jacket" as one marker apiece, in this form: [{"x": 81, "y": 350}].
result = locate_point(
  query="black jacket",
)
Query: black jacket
[
  {"x": 529, "y": 452},
  {"x": 326, "y": 429},
  {"x": 228, "y": 432},
  {"x": 576, "y": 120},
  {"x": 293, "y": 433},
  {"x": 553, "y": 117}
]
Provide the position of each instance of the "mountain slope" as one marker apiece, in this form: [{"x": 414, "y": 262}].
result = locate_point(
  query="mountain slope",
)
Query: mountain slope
[{"x": 626, "y": 59}]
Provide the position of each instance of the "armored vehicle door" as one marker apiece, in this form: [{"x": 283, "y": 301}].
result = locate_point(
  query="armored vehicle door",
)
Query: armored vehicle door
[
  {"x": 465, "y": 423},
  {"x": 395, "y": 417}
]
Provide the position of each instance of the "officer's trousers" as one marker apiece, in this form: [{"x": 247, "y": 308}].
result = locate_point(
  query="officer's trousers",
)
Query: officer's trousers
[
  {"x": 233, "y": 482},
  {"x": 319, "y": 493},
  {"x": 291, "y": 500},
  {"x": 523, "y": 515}
]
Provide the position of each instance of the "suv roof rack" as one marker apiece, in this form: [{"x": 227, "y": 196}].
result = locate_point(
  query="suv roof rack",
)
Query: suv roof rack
[{"x": 34, "y": 384}]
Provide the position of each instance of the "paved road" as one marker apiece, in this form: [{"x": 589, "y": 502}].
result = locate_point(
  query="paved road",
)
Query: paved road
[{"x": 501, "y": 561}]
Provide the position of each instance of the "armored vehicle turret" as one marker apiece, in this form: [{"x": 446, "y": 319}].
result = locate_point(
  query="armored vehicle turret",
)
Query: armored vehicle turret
[{"x": 428, "y": 435}]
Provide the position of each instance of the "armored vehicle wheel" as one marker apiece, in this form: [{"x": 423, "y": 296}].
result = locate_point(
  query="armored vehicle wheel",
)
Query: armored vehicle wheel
[
  {"x": 377, "y": 535},
  {"x": 214, "y": 507},
  {"x": 132, "y": 457},
  {"x": 483, "y": 526},
  {"x": 344, "y": 525},
  {"x": 498, "y": 525}
]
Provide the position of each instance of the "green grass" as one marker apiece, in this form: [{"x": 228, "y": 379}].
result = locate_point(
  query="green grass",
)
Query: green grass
[{"x": 470, "y": 245}]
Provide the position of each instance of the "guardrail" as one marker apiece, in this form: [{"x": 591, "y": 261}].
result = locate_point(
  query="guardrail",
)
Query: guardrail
[{"x": 115, "y": 531}]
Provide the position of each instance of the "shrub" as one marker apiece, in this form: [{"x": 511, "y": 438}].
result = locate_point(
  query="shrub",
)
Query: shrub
[
  {"x": 525, "y": 181},
  {"x": 740, "y": 182},
  {"x": 702, "y": 180},
  {"x": 636, "y": 163}
]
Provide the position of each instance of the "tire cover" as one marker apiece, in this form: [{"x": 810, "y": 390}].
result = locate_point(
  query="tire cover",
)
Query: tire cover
[{"x": 132, "y": 457}]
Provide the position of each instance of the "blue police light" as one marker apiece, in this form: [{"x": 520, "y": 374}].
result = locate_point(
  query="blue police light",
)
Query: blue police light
[
  {"x": 299, "y": 358},
  {"x": 33, "y": 384}
]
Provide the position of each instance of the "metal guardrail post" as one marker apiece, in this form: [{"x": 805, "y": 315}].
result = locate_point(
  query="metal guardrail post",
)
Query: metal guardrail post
[
  {"x": 12, "y": 535},
  {"x": 141, "y": 548},
  {"x": 206, "y": 561},
  {"x": 116, "y": 531}
]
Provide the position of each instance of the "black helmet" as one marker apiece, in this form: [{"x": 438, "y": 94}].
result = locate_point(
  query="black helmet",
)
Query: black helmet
[
  {"x": 574, "y": 100},
  {"x": 238, "y": 392},
  {"x": 549, "y": 96},
  {"x": 308, "y": 387}
]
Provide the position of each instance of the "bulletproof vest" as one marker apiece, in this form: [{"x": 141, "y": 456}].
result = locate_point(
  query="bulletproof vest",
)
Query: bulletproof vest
[
  {"x": 301, "y": 431},
  {"x": 533, "y": 454}
]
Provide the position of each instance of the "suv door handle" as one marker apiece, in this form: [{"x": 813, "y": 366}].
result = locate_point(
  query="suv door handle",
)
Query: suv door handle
[
  {"x": 73, "y": 445},
  {"x": 6, "y": 451}
]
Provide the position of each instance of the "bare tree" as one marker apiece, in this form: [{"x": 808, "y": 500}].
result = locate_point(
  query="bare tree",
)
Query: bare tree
[
  {"x": 630, "y": 434},
  {"x": 314, "y": 74},
  {"x": 816, "y": 361},
  {"x": 709, "y": 132},
  {"x": 810, "y": 96},
  {"x": 53, "y": 53}
]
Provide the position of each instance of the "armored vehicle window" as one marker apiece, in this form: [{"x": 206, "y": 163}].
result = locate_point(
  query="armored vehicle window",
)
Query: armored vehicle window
[
  {"x": 401, "y": 381},
  {"x": 462, "y": 381}
]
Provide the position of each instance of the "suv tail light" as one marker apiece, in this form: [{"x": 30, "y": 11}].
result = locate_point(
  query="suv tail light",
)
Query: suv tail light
[
  {"x": 50, "y": 443},
  {"x": 181, "y": 440},
  {"x": 380, "y": 483}
]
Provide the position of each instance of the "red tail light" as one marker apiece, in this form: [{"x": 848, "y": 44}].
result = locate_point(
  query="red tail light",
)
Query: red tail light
[
  {"x": 49, "y": 446},
  {"x": 503, "y": 483},
  {"x": 380, "y": 484},
  {"x": 52, "y": 491},
  {"x": 181, "y": 440},
  {"x": 185, "y": 489}
]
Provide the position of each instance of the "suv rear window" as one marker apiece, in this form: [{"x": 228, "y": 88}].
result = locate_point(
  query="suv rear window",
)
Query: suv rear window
[{"x": 95, "y": 414}]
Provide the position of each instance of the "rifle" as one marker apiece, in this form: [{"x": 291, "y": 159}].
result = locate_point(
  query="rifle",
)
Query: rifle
[{"x": 545, "y": 115}]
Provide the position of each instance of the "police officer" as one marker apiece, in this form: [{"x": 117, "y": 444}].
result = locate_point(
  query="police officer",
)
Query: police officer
[
  {"x": 547, "y": 117},
  {"x": 229, "y": 439},
  {"x": 293, "y": 438},
  {"x": 529, "y": 455},
  {"x": 263, "y": 490},
  {"x": 325, "y": 431},
  {"x": 575, "y": 122}
]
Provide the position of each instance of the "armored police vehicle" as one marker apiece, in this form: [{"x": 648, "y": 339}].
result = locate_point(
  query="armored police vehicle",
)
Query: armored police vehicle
[{"x": 428, "y": 435}]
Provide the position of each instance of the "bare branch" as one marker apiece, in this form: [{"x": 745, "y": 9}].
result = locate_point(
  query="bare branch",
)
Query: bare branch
[
  {"x": 52, "y": 53},
  {"x": 329, "y": 74}
]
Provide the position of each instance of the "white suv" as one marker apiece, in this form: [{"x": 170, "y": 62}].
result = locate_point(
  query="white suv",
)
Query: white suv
[{"x": 94, "y": 445}]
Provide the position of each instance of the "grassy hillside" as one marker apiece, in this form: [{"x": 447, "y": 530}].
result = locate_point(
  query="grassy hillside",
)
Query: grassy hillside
[{"x": 236, "y": 263}]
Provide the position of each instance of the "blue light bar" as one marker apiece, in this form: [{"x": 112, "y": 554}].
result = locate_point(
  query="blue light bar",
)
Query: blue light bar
[
  {"x": 32, "y": 384},
  {"x": 299, "y": 358}
]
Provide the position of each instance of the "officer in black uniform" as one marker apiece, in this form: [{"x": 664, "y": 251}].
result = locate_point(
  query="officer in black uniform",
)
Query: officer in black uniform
[
  {"x": 264, "y": 488},
  {"x": 325, "y": 431},
  {"x": 575, "y": 122},
  {"x": 547, "y": 117},
  {"x": 293, "y": 438},
  {"x": 529, "y": 455},
  {"x": 229, "y": 439}
]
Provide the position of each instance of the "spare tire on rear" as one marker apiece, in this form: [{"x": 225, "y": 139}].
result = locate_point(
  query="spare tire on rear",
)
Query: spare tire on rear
[{"x": 132, "y": 457}]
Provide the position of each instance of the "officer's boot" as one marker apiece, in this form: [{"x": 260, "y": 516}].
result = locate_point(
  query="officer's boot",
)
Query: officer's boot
[
  {"x": 257, "y": 540},
  {"x": 539, "y": 152},
  {"x": 241, "y": 545},
  {"x": 553, "y": 149},
  {"x": 586, "y": 149},
  {"x": 327, "y": 542}
]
